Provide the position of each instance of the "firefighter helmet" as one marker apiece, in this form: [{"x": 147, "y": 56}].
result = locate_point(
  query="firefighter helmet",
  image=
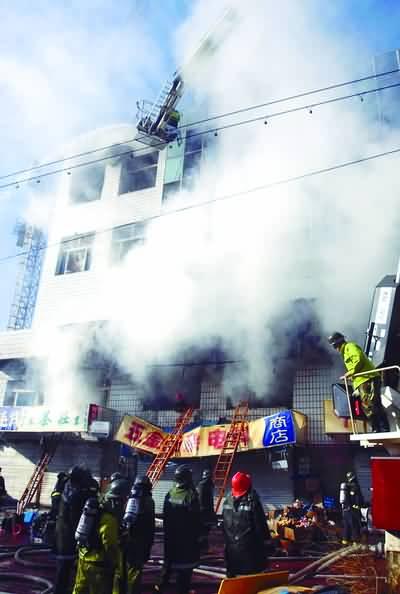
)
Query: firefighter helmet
[
  {"x": 241, "y": 484},
  {"x": 350, "y": 476},
  {"x": 142, "y": 485},
  {"x": 77, "y": 475},
  {"x": 118, "y": 489},
  {"x": 206, "y": 474},
  {"x": 336, "y": 339},
  {"x": 116, "y": 476},
  {"x": 183, "y": 475}
]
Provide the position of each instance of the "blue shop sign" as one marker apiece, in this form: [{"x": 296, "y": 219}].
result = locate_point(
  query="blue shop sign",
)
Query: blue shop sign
[{"x": 279, "y": 429}]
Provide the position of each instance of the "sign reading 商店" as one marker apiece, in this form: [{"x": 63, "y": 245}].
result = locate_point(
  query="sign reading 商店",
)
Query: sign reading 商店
[{"x": 43, "y": 419}]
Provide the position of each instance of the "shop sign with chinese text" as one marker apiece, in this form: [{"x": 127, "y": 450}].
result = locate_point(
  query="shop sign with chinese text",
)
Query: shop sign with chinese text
[
  {"x": 275, "y": 430},
  {"x": 42, "y": 418},
  {"x": 279, "y": 429}
]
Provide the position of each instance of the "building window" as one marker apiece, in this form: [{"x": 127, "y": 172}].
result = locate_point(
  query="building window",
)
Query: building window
[
  {"x": 21, "y": 397},
  {"x": 138, "y": 173},
  {"x": 75, "y": 254},
  {"x": 183, "y": 163},
  {"x": 86, "y": 183},
  {"x": 126, "y": 238}
]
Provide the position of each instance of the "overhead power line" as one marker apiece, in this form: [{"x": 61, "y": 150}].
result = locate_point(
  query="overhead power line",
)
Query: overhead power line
[
  {"x": 265, "y": 118},
  {"x": 233, "y": 195},
  {"x": 198, "y": 122}
]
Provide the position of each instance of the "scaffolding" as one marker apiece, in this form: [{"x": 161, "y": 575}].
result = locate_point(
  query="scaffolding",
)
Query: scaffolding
[
  {"x": 236, "y": 433},
  {"x": 32, "y": 242}
]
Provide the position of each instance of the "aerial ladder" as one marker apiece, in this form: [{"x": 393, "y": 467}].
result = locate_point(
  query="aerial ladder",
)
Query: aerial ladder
[
  {"x": 169, "y": 446},
  {"x": 158, "y": 121},
  {"x": 35, "y": 482},
  {"x": 237, "y": 432}
]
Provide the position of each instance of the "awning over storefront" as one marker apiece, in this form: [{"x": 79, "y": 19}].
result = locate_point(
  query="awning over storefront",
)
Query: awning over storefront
[{"x": 283, "y": 428}]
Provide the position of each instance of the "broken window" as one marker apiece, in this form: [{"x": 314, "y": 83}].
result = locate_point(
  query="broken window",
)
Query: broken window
[
  {"x": 21, "y": 397},
  {"x": 126, "y": 238},
  {"x": 183, "y": 162},
  {"x": 75, "y": 254},
  {"x": 86, "y": 183},
  {"x": 138, "y": 172}
]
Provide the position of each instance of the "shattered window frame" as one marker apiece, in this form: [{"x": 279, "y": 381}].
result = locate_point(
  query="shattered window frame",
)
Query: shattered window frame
[
  {"x": 126, "y": 238},
  {"x": 13, "y": 396},
  {"x": 75, "y": 254},
  {"x": 138, "y": 173},
  {"x": 86, "y": 183}
]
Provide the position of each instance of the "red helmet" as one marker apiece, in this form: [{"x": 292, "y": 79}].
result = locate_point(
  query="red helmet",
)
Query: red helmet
[{"x": 241, "y": 484}]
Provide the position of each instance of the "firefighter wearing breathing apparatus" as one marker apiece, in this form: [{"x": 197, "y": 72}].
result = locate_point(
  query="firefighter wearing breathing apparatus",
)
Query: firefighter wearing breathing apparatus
[
  {"x": 367, "y": 386},
  {"x": 351, "y": 501},
  {"x": 75, "y": 493},
  {"x": 138, "y": 527},
  {"x": 181, "y": 532},
  {"x": 98, "y": 538}
]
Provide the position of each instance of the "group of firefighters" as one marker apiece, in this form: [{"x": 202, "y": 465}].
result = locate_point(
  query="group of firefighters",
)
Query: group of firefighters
[{"x": 111, "y": 535}]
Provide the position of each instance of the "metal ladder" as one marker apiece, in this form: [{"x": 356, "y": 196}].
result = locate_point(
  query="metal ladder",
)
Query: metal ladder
[
  {"x": 169, "y": 446},
  {"x": 35, "y": 482},
  {"x": 235, "y": 433},
  {"x": 151, "y": 116}
]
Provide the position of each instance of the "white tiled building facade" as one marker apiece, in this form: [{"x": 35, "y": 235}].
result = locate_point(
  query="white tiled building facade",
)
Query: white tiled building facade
[{"x": 98, "y": 217}]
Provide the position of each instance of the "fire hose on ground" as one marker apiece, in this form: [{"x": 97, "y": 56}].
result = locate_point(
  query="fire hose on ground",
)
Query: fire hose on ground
[
  {"x": 19, "y": 577},
  {"x": 29, "y": 550},
  {"x": 16, "y": 552},
  {"x": 322, "y": 563}
]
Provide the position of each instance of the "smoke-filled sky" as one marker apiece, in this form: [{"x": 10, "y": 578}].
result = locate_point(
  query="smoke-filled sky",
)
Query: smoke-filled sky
[{"x": 231, "y": 270}]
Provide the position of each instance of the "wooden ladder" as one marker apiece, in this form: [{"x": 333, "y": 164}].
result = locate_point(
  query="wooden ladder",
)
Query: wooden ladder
[
  {"x": 169, "y": 446},
  {"x": 35, "y": 482},
  {"x": 236, "y": 432}
]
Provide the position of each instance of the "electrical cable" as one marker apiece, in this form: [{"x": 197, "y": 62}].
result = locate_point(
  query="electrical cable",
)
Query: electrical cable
[
  {"x": 215, "y": 131},
  {"x": 223, "y": 198},
  {"x": 198, "y": 122}
]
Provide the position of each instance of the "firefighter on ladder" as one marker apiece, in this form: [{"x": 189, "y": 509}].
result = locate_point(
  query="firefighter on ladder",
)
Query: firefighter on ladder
[{"x": 367, "y": 386}]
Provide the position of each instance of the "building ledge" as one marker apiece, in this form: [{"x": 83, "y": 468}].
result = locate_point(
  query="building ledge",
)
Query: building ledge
[
  {"x": 371, "y": 439},
  {"x": 16, "y": 344}
]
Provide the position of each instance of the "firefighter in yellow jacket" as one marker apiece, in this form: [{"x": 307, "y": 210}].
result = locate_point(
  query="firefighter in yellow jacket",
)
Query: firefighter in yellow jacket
[
  {"x": 99, "y": 542},
  {"x": 367, "y": 386}
]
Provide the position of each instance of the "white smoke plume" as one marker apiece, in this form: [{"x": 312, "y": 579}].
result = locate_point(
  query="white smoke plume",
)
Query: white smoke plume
[{"x": 232, "y": 269}]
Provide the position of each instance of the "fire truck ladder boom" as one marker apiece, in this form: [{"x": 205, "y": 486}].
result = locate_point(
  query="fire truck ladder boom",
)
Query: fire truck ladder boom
[
  {"x": 236, "y": 432},
  {"x": 35, "y": 482},
  {"x": 155, "y": 121},
  {"x": 169, "y": 446}
]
